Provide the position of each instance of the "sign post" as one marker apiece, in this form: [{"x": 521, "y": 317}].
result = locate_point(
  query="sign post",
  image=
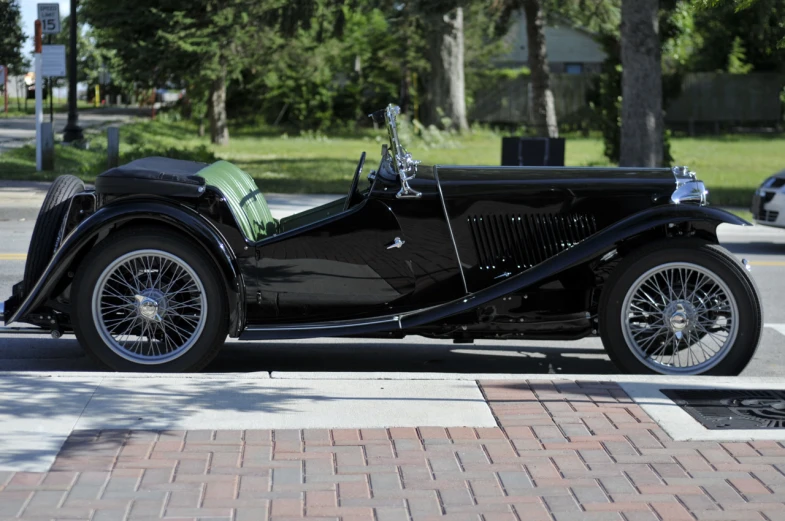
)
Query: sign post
[
  {"x": 39, "y": 97},
  {"x": 4, "y": 80}
]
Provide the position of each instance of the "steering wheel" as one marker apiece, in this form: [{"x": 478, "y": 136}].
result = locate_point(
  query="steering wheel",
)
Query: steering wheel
[{"x": 355, "y": 183}]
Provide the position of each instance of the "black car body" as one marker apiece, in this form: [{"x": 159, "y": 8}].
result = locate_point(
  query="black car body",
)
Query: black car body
[{"x": 452, "y": 252}]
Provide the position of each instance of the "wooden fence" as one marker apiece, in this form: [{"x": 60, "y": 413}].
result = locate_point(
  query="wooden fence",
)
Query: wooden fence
[
  {"x": 706, "y": 98},
  {"x": 508, "y": 101},
  {"x": 728, "y": 98}
]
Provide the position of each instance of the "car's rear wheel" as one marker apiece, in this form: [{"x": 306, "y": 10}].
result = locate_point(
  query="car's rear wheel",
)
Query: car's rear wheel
[
  {"x": 681, "y": 308},
  {"x": 46, "y": 231},
  {"x": 148, "y": 300}
]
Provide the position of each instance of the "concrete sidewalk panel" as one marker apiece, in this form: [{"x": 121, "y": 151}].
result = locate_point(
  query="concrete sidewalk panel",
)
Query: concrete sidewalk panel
[
  {"x": 232, "y": 403},
  {"x": 37, "y": 414}
]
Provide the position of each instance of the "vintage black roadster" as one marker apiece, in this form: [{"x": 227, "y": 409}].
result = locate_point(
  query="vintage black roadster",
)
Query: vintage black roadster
[{"x": 164, "y": 259}]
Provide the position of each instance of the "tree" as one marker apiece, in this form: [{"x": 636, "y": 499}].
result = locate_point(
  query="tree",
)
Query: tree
[
  {"x": 445, "y": 84},
  {"x": 543, "y": 109},
  {"x": 184, "y": 42},
  {"x": 641, "y": 113},
  {"x": 90, "y": 58},
  {"x": 12, "y": 38},
  {"x": 751, "y": 29},
  {"x": 541, "y": 102}
]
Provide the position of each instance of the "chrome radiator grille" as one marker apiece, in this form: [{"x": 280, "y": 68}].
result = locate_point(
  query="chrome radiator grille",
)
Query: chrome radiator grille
[{"x": 523, "y": 241}]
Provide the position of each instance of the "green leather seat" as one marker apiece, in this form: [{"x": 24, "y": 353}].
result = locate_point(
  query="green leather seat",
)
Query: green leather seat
[{"x": 245, "y": 200}]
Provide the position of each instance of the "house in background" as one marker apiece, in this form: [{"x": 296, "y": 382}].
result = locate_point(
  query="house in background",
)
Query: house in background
[
  {"x": 570, "y": 50},
  {"x": 574, "y": 58}
]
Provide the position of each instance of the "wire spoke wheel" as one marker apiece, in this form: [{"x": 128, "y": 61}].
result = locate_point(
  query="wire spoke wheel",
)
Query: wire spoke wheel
[
  {"x": 149, "y": 307},
  {"x": 680, "y": 318}
]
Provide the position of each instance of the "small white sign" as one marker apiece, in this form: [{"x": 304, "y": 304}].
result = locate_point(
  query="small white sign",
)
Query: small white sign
[
  {"x": 2, "y": 76},
  {"x": 49, "y": 14},
  {"x": 53, "y": 61}
]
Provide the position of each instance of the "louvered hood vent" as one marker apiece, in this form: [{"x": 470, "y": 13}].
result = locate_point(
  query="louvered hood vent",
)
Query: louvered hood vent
[{"x": 522, "y": 241}]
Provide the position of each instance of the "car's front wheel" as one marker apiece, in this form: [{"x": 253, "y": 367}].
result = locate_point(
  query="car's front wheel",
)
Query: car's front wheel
[
  {"x": 681, "y": 307},
  {"x": 149, "y": 300}
]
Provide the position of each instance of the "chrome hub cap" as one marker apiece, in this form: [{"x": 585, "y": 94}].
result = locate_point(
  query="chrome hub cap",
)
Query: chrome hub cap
[
  {"x": 682, "y": 317},
  {"x": 149, "y": 307},
  {"x": 679, "y": 318}
]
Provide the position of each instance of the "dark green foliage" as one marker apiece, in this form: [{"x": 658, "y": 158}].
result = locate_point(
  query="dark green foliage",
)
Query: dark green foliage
[
  {"x": 317, "y": 77},
  {"x": 757, "y": 26},
  {"x": 347, "y": 60},
  {"x": 12, "y": 37},
  {"x": 605, "y": 98}
]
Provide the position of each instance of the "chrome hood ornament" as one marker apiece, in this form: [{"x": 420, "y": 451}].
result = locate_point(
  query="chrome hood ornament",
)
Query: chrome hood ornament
[{"x": 403, "y": 163}]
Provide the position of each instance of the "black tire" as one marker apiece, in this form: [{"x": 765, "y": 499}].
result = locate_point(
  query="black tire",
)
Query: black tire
[
  {"x": 43, "y": 243},
  {"x": 214, "y": 332},
  {"x": 710, "y": 257}
]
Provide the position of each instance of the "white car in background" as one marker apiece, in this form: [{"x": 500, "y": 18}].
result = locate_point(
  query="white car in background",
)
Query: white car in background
[{"x": 768, "y": 203}]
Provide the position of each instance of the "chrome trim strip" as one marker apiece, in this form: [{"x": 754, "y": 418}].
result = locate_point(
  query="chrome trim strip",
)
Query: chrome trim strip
[
  {"x": 449, "y": 227},
  {"x": 326, "y": 326}
]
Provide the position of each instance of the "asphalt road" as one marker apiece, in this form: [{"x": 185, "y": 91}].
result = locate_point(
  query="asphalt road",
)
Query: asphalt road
[
  {"x": 15, "y": 132},
  {"x": 763, "y": 247}
]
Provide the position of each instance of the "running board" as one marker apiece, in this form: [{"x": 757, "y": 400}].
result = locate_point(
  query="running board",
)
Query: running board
[{"x": 322, "y": 329}]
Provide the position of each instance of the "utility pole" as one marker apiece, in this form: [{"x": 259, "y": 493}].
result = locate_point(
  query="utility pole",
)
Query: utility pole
[{"x": 72, "y": 131}]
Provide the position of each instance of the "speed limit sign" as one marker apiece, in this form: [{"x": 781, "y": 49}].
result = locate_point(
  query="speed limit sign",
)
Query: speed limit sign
[{"x": 49, "y": 14}]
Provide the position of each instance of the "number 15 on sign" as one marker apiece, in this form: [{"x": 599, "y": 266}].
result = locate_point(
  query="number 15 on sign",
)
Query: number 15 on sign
[{"x": 49, "y": 14}]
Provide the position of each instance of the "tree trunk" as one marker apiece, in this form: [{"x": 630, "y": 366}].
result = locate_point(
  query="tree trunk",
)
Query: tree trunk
[
  {"x": 219, "y": 128},
  {"x": 445, "y": 86},
  {"x": 543, "y": 110},
  {"x": 641, "y": 85}
]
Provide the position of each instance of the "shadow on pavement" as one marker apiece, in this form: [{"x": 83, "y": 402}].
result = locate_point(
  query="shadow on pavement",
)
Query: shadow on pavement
[
  {"x": 45, "y": 354},
  {"x": 411, "y": 357}
]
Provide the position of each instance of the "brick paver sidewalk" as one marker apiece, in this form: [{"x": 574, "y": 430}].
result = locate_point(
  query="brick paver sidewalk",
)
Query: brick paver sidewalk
[{"x": 562, "y": 450}]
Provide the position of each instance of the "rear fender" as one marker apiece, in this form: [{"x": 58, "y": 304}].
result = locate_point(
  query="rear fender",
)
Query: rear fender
[{"x": 100, "y": 224}]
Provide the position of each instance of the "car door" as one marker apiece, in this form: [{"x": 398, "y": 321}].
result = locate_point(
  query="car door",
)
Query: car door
[{"x": 345, "y": 266}]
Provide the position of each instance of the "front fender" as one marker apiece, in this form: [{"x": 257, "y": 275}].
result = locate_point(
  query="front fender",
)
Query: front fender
[
  {"x": 596, "y": 245},
  {"x": 124, "y": 212}
]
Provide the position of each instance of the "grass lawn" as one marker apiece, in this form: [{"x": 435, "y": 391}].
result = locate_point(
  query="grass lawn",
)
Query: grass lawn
[{"x": 731, "y": 166}]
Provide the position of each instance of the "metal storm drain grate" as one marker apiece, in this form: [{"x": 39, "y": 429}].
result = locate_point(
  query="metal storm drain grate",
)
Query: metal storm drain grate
[{"x": 732, "y": 408}]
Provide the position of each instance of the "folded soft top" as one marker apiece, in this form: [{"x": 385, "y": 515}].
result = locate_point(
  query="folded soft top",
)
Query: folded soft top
[{"x": 153, "y": 175}]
